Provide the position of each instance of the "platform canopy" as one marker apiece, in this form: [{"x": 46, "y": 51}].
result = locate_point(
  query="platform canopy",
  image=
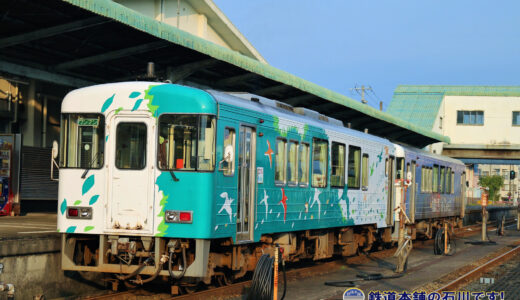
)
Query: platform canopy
[{"x": 78, "y": 43}]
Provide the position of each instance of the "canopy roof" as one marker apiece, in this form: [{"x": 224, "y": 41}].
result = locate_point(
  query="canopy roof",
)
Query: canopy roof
[{"x": 83, "y": 42}]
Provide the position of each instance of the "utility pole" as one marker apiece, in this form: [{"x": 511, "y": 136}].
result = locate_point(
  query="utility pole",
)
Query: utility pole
[{"x": 362, "y": 93}]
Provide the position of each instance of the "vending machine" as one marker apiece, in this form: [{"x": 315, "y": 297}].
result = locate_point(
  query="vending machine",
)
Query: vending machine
[{"x": 6, "y": 195}]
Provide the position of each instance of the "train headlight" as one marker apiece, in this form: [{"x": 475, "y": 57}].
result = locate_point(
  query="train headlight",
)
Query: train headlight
[
  {"x": 177, "y": 216},
  {"x": 79, "y": 212}
]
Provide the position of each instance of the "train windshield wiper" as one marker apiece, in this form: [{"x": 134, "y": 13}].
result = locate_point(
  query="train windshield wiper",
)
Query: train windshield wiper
[{"x": 89, "y": 166}]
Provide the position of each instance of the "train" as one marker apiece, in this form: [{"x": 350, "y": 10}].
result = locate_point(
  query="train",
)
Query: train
[{"x": 165, "y": 180}]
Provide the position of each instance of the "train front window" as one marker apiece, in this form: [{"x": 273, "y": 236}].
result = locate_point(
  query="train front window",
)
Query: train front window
[
  {"x": 82, "y": 141},
  {"x": 131, "y": 146},
  {"x": 186, "y": 142}
]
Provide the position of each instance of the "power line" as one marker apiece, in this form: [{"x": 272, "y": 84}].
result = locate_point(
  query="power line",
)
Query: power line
[{"x": 362, "y": 93}]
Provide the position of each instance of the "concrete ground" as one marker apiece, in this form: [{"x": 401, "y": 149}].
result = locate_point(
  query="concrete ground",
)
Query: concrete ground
[
  {"x": 423, "y": 267},
  {"x": 32, "y": 224}
]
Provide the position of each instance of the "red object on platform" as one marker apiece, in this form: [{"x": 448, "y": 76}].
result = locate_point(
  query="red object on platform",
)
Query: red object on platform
[{"x": 179, "y": 163}]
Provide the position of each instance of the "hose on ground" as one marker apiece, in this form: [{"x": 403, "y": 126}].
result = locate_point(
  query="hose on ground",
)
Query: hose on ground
[
  {"x": 262, "y": 284},
  {"x": 362, "y": 277},
  {"x": 183, "y": 265},
  {"x": 438, "y": 245},
  {"x": 263, "y": 279}
]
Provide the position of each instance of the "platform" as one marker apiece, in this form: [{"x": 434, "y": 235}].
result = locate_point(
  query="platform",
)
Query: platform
[{"x": 423, "y": 268}]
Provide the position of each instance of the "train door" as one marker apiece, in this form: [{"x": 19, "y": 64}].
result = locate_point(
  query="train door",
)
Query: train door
[
  {"x": 413, "y": 192},
  {"x": 131, "y": 177},
  {"x": 462, "y": 194},
  {"x": 246, "y": 182},
  {"x": 390, "y": 167}
]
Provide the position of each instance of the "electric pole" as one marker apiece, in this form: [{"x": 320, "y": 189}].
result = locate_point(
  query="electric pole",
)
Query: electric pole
[{"x": 362, "y": 93}]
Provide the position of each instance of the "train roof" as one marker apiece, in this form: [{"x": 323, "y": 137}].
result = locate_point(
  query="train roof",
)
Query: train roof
[
  {"x": 401, "y": 149},
  {"x": 273, "y": 107}
]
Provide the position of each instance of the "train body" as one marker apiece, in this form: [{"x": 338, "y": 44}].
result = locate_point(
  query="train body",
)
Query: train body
[{"x": 161, "y": 179}]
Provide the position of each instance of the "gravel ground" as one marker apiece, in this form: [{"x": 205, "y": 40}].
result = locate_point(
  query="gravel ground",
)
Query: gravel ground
[{"x": 506, "y": 279}]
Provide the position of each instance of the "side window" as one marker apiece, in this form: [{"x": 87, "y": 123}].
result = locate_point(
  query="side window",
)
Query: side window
[
  {"x": 229, "y": 140},
  {"x": 386, "y": 167},
  {"x": 354, "y": 167},
  {"x": 319, "y": 163},
  {"x": 364, "y": 179},
  {"x": 448, "y": 181},
  {"x": 292, "y": 159},
  {"x": 280, "y": 159},
  {"x": 422, "y": 179},
  {"x": 453, "y": 182},
  {"x": 435, "y": 179},
  {"x": 400, "y": 168},
  {"x": 303, "y": 165},
  {"x": 442, "y": 188},
  {"x": 430, "y": 178},
  {"x": 337, "y": 177}
]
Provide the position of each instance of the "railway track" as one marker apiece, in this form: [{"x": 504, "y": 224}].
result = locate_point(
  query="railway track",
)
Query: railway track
[
  {"x": 238, "y": 289},
  {"x": 493, "y": 260}
]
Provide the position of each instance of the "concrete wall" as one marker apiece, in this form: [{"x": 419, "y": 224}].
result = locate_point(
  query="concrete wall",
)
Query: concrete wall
[
  {"x": 34, "y": 267},
  {"x": 189, "y": 19},
  {"x": 497, "y": 127}
]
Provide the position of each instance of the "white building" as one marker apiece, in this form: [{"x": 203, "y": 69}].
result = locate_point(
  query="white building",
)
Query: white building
[
  {"x": 198, "y": 17},
  {"x": 483, "y": 123}
]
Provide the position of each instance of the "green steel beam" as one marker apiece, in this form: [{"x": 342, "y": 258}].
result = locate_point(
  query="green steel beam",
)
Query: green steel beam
[{"x": 167, "y": 32}]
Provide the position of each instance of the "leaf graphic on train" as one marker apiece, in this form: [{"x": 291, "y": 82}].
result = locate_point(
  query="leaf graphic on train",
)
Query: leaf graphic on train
[
  {"x": 137, "y": 104},
  {"x": 63, "y": 206},
  {"x": 134, "y": 94},
  {"x": 87, "y": 184},
  {"x": 77, "y": 202},
  {"x": 107, "y": 103},
  {"x": 93, "y": 199},
  {"x": 88, "y": 228}
]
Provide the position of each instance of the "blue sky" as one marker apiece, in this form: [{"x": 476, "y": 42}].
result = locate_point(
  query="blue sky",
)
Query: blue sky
[{"x": 338, "y": 44}]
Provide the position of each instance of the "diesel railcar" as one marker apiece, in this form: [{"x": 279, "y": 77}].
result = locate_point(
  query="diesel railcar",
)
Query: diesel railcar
[{"x": 160, "y": 179}]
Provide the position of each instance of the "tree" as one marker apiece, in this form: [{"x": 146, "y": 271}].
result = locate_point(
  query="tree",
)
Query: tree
[{"x": 493, "y": 183}]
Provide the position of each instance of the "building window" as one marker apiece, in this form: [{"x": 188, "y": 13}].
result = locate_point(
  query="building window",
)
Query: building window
[
  {"x": 516, "y": 118},
  {"x": 505, "y": 174},
  {"x": 485, "y": 173},
  {"x": 467, "y": 117}
]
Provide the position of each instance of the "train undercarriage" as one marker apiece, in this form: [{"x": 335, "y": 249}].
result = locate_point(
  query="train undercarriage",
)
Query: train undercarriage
[{"x": 137, "y": 260}]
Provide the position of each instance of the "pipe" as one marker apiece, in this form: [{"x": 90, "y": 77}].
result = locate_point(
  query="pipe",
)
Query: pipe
[
  {"x": 44, "y": 121},
  {"x": 183, "y": 267},
  {"x": 134, "y": 273},
  {"x": 141, "y": 282},
  {"x": 9, "y": 288}
]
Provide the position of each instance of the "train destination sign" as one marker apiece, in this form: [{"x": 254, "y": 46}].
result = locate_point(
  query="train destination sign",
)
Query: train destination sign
[{"x": 88, "y": 122}]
